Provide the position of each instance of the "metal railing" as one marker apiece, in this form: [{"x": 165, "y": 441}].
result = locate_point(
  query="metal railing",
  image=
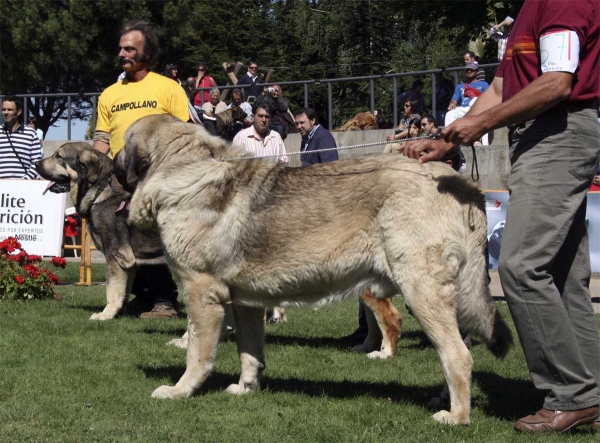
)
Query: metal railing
[{"x": 305, "y": 84}]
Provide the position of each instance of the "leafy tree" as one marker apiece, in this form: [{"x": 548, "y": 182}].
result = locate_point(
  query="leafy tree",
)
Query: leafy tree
[{"x": 70, "y": 46}]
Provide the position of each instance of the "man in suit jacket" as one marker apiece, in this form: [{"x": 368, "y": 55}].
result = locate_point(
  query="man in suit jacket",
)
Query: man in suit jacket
[{"x": 314, "y": 138}]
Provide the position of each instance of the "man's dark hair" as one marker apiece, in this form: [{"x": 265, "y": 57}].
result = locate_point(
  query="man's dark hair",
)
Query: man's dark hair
[
  {"x": 265, "y": 102},
  {"x": 15, "y": 100},
  {"x": 238, "y": 91},
  {"x": 418, "y": 83},
  {"x": 151, "y": 46},
  {"x": 472, "y": 55},
  {"x": 454, "y": 156},
  {"x": 252, "y": 62},
  {"x": 310, "y": 114},
  {"x": 430, "y": 119}
]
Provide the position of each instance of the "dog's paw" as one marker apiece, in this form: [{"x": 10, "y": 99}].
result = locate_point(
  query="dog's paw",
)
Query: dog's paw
[
  {"x": 169, "y": 392},
  {"x": 237, "y": 389},
  {"x": 178, "y": 343},
  {"x": 379, "y": 354},
  {"x": 449, "y": 419},
  {"x": 101, "y": 316},
  {"x": 438, "y": 404}
]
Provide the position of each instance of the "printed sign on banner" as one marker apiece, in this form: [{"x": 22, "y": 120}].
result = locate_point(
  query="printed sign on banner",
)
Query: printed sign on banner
[
  {"x": 36, "y": 220},
  {"x": 495, "y": 206}
]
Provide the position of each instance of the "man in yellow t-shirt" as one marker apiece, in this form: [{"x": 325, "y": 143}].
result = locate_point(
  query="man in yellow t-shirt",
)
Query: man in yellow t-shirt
[
  {"x": 141, "y": 93},
  {"x": 125, "y": 102}
]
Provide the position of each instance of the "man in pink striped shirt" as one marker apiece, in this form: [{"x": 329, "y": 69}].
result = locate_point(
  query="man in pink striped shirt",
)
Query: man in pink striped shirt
[{"x": 259, "y": 138}]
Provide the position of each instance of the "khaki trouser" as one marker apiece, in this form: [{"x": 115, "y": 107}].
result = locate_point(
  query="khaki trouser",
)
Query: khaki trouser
[{"x": 544, "y": 260}]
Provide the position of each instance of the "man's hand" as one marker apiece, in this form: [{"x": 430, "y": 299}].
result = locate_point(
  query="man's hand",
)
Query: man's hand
[
  {"x": 596, "y": 180},
  {"x": 390, "y": 138},
  {"x": 452, "y": 105},
  {"x": 464, "y": 131},
  {"x": 101, "y": 146},
  {"x": 426, "y": 150}
]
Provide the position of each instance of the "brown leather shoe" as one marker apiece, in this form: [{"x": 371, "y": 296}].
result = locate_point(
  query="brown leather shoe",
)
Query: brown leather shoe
[
  {"x": 160, "y": 311},
  {"x": 546, "y": 420}
]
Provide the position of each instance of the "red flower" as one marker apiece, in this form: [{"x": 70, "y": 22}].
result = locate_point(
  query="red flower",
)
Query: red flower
[
  {"x": 10, "y": 244},
  {"x": 59, "y": 262},
  {"x": 33, "y": 270},
  {"x": 19, "y": 279},
  {"x": 34, "y": 258}
]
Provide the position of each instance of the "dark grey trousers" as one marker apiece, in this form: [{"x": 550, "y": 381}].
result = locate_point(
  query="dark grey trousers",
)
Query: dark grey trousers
[{"x": 544, "y": 261}]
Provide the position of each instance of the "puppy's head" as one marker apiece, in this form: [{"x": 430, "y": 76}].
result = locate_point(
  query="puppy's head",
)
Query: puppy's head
[
  {"x": 237, "y": 114},
  {"x": 73, "y": 165}
]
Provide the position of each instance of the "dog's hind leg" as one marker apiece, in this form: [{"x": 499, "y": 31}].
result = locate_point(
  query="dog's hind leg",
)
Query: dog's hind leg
[
  {"x": 433, "y": 305},
  {"x": 250, "y": 335},
  {"x": 385, "y": 326},
  {"x": 118, "y": 286},
  {"x": 205, "y": 299}
]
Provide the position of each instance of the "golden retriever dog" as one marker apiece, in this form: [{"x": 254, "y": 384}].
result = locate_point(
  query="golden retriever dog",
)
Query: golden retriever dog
[
  {"x": 360, "y": 122},
  {"x": 243, "y": 230}
]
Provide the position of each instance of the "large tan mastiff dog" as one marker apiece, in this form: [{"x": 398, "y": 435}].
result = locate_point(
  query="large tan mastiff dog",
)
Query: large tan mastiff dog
[{"x": 257, "y": 234}]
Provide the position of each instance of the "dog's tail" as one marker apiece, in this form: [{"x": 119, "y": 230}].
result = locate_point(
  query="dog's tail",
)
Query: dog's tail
[{"x": 476, "y": 310}]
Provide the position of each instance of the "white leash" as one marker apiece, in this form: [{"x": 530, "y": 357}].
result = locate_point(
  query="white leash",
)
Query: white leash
[{"x": 341, "y": 148}]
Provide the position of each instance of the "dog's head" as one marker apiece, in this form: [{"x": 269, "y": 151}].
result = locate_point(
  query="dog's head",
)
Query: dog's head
[
  {"x": 161, "y": 139},
  {"x": 75, "y": 168}
]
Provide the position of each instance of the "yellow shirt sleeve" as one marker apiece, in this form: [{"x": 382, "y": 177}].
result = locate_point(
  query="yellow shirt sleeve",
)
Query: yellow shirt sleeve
[
  {"x": 179, "y": 104},
  {"x": 102, "y": 120}
]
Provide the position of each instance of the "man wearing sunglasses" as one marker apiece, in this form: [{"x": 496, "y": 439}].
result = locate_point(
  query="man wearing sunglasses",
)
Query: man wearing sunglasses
[
  {"x": 428, "y": 125},
  {"x": 251, "y": 78}
]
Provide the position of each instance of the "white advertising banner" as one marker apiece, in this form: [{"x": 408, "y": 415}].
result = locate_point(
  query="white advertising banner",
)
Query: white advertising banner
[
  {"x": 495, "y": 206},
  {"x": 36, "y": 220}
]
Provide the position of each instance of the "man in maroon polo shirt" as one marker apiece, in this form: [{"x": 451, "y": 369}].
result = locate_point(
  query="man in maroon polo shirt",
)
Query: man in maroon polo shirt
[{"x": 546, "y": 91}]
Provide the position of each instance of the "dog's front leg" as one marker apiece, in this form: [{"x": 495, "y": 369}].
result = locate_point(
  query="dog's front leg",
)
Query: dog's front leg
[
  {"x": 206, "y": 297},
  {"x": 226, "y": 328},
  {"x": 250, "y": 335},
  {"x": 118, "y": 286}
]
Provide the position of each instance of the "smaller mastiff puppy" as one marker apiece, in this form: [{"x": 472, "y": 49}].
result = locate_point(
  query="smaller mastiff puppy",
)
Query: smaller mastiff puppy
[
  {"x": 227, "y": 119},
  {"x": 247, "y": 232}
]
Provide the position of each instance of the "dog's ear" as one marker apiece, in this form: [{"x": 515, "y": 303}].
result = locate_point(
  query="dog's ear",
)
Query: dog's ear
[
  {"x": 92, "y": 163},
  {"x": 130, "y": 166}
]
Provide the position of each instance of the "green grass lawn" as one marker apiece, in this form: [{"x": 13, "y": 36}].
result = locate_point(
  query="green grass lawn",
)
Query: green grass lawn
[
  {"x": 71, "y": 273},
  {"x": 64, "y": 378}
]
